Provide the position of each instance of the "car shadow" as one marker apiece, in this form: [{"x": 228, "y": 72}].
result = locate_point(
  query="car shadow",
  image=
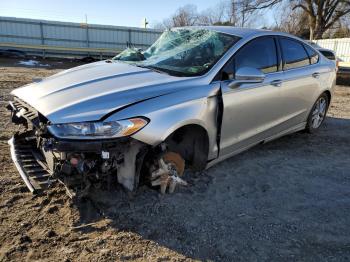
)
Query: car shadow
[
  {"x": 282, "y": 199},
  {"x": 343, "y": 78}
]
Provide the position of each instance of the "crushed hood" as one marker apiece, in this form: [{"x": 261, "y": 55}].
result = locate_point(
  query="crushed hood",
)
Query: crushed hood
[{"x": 89, "y": 92}]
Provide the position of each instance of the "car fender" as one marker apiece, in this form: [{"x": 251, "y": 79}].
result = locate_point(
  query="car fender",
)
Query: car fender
[{"x": 167, "y": 113}]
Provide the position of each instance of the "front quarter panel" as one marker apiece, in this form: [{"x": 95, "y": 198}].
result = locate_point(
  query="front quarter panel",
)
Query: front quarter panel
[{"x": 195, "y": 105}]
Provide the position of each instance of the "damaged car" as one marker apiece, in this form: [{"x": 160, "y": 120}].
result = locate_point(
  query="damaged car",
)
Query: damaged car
[{"x": 197, "y": 96}]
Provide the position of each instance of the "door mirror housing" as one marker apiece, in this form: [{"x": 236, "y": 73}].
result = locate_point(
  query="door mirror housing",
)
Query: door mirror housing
[{"x": 247, "y": 75}]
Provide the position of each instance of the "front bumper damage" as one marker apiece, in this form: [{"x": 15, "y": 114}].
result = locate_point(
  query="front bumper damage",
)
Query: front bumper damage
[
  {"x": 42, "y": 159},
  {"x": 76, "y": 164},
  {"x": 34, "y": 173}
]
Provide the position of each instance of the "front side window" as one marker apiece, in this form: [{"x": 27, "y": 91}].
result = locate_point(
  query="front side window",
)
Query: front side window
[
  {"x": 182, "y": 51},
  {"x": 259, "y": 53},
  {"x": 294, "y": 54}
]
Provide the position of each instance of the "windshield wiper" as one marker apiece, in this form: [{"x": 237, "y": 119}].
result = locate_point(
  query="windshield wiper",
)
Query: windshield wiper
[
  {"x": 153, "y": 68},
  {"x": 162, "y": 70}
]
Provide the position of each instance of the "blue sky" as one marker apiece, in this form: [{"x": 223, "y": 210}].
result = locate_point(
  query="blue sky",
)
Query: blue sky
[{"x": 117, "y": 12}]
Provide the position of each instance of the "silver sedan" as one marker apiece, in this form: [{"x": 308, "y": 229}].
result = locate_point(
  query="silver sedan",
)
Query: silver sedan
[{"x": 197, "y": 96}]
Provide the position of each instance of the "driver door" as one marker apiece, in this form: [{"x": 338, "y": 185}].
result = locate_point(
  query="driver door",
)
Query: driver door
[{"x": 251, "y": 110}]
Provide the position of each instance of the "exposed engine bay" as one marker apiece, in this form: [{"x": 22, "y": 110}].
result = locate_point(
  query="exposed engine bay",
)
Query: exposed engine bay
[{"x": 43, "y": 159}]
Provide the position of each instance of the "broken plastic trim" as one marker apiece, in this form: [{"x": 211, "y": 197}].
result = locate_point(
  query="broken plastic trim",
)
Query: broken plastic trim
[{"x": 18, "y": 166}]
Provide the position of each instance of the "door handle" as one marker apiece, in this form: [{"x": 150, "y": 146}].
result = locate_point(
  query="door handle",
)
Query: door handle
[
  {"x": 276, "y": 83},
  {"x": 316, "y": 75}
]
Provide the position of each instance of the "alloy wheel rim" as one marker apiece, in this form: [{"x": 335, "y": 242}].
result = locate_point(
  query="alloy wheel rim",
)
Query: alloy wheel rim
[{"x": 319, "y": 112}]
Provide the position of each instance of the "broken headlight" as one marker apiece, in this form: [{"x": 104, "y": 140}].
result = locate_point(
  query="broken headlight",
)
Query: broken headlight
[{"x": 96, "y": 130}]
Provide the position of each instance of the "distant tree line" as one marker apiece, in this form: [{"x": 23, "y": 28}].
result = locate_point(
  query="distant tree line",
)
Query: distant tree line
[{"x": 313, "y": 19}]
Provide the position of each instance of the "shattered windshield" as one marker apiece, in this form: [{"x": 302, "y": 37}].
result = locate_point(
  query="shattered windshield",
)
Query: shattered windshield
[{"x": 181, "y": 51}]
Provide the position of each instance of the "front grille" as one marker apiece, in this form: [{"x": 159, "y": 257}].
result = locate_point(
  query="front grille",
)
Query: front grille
[{"x": 30, "y": 113}]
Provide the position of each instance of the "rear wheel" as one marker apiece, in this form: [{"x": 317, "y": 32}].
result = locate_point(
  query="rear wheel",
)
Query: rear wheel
[{"x": 318, "y": 113}]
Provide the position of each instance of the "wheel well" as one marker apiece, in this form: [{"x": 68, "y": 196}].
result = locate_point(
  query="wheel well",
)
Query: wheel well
[
  {"x": 328, "y": 95},
  {"x": 192, "y": 142}
]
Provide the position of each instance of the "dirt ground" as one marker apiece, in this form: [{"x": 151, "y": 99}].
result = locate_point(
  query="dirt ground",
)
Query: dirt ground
[{"x": 288, "y": 200}]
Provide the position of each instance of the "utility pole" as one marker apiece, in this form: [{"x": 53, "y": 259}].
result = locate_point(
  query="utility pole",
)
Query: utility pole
[
  {"x": 144, "y": 23},
  {"x": 87, "y": 33}
]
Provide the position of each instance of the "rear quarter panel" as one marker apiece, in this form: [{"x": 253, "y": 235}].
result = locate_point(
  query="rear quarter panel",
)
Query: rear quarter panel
[{"x": 328, "y": 76}]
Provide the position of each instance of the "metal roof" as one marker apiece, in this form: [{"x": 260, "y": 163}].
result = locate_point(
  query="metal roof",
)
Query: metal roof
[{"x": 237, "y": 31}]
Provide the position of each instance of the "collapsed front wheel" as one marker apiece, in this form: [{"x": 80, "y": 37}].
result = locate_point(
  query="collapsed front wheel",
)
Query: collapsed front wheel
[
  {"x": 167, "y": 172},
  {"x": 317, "y": 113}
]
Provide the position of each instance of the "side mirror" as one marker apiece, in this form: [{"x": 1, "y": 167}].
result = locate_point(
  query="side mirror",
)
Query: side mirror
[{"x": 247, "y": 75}]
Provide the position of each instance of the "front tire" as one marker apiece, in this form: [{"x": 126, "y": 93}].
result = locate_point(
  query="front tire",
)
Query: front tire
[{"x": 317, "y": 114}]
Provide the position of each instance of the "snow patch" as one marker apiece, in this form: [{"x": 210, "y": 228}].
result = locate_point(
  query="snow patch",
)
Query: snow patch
[{"x": 31, "y": 63}]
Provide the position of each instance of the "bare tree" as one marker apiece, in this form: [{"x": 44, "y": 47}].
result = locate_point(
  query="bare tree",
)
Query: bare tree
[
  {"x": 185, "y": 16},
  {"x": 343, "y": 28},
  {"x": 218, "y": 14},
  {"x": 227, "y": 12},
  {"x": 322, "y": 14},
  {"x": 291, "y": 21},
  {"x": 245, "y": 11},
  {"x": 241, "y": 13}
]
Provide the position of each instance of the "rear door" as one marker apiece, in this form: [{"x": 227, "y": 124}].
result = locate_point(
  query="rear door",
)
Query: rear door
[
  {"x": 250, "y": 111},
  {"x": 301, "y": 85}
]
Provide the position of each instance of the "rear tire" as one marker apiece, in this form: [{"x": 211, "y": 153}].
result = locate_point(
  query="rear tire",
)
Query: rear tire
[{"x": 317, "y": 114}]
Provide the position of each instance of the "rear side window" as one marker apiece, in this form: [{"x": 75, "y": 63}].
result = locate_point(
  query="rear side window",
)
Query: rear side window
[
  {"x": 294, "y": 54},
  {"x": 328, "y": 54},
  {"x": 312, "y": 54},
  {"x": 259, "y": 53}
]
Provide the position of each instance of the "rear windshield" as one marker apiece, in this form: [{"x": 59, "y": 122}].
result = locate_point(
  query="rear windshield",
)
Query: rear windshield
[{"x": 181, "y": 51}]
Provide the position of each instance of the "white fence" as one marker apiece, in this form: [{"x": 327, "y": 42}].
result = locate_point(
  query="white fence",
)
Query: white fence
[
  {"x": 63, "y": 37},
  {"x": 341, "y": 47}
]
